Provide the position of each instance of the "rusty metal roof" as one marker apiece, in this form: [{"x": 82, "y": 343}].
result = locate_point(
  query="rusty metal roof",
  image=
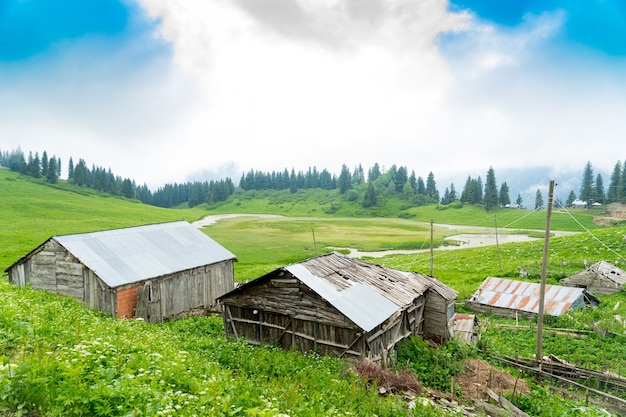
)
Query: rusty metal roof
[
  {"x": 524, "y": 296},
  {"x": 133, "y": 254}
]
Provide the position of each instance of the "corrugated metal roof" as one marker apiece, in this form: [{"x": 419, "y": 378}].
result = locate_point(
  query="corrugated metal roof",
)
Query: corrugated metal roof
[
  {"x": 124, "y": 256},
  {"x": 368, "y": 294},
  {"x": 524, "y": 296},
  {"x": 464, "y": 327},
  {"x": 360, "y": 303}
]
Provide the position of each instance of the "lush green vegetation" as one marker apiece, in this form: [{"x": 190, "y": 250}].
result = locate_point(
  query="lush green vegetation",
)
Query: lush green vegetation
[{"x": 58, "y": 358}]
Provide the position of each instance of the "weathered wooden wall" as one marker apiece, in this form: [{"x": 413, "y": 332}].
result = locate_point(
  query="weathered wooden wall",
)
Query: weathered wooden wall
[
  {"x": 98, "y": 295},
  {"x": 438, "y": 317},
  {"x": 194, "y": 290},
  {"x": 285, "y": 311},
  {"x": 51, "y": 268},
  {"x": 593, "y": 283}
]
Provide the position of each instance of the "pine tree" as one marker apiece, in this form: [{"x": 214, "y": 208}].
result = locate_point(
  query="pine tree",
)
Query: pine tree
[
  {"x": 44, "y": 164},
  {"x": 621, "y": 187},
  {"x": 538, "y": 200},
  {"x": 369, "y": 199},
  {"x": 400, "y": 178},
  {"x": 612, "y": 194},
  {"x": 478, "y": 191},
  {"x": 598, "y": 190},
  {"x": 445, "y": 200},
  {"x": 490, "y": 198},
  {"x": 570, "y": 199},
  {"x": 468, "y": 191},
  {"x": 586, "y": 186},
  {"x": 453, "y": 195},
  {"x": 503, "y": 196},
  {"x": 70, "y": 170},
  {"x": 374, "y": 172},
  {"x": 344, "y": 182},
  {"x": 421, "y": 187},
  {"x": 293, "y": 185},
  {"x": 413, "y": 181},
  {"x": 431, "y": 187},
  {"x": 52, "y": 172}
]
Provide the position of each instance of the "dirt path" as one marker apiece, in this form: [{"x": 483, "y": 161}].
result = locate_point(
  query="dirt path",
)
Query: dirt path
[{"x": 211, "y": 219}]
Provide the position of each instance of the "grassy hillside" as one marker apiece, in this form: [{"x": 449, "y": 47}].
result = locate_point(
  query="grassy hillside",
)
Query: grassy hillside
[
  {"x": 59, "y": 358},
  {"x": 32, "y": 211}
]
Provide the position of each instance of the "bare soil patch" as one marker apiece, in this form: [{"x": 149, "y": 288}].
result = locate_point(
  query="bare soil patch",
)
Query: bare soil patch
[
  {"x": 616, "y": 213},
  {"x": 480, "y": 375}
]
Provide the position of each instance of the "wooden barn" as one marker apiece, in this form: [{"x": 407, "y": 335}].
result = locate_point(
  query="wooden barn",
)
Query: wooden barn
[
  {"x": 151, "y": 272},
  {"x": 600, "y": 278},
  {"x": 512, "y": 298},
  {"x": 339, "y": 306}
]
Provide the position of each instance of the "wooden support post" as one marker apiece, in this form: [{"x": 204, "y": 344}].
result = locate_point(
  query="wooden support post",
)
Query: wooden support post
[{"x": 542, "y": 290}]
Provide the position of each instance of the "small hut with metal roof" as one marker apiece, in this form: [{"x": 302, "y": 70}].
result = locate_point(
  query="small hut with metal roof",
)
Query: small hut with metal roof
[
  {"x": 339, "y": 306},
  {"x": 512, "y": 298},
  {"x": 153, "y": 272},
  {"x": 600, "y": 278}
]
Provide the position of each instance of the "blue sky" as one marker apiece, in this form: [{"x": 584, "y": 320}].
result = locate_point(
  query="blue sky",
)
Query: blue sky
[{"x": 164, "y": 91}]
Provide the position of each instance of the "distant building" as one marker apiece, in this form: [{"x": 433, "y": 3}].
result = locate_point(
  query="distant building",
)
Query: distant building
[
  {"x": 339, "y": 306},
  {"x": 153, "y": 272},
  {"x": 579, "y": 204},
  {"x": 511, "y": 298},
  {"x": 600, "y": 278}
]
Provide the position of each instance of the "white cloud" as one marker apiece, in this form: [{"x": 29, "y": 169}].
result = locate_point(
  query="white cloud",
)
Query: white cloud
[
  {"x": 273, "y": 84},
  {"x": 347, "y": 85}
]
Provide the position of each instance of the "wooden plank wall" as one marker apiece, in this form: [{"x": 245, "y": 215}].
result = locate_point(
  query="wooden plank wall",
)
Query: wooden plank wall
[
  {"x": 53, "y": 269},
  {"x": 438, "y": 317},
  {"x": 258, "y": 327},
  {"x": 286, "y": 312},
  {"x": 192, "y": 291}
]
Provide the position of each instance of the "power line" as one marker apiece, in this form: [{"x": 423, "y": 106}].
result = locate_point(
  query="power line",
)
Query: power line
[{"x": 592, "y": 235}]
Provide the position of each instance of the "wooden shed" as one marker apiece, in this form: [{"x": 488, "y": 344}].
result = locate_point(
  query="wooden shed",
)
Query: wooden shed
[
  {"x": 152, "y": 272},
  {"x": 510, "y": 298},
  {"x": 600, "y": 278},
  {"x": 339, "y": 306}
]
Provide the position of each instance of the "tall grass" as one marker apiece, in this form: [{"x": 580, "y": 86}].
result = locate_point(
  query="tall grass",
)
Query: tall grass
[{"x": 58, "y": 358}]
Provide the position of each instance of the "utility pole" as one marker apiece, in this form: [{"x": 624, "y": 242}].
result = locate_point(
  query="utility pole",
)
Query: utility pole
[
  {"x": 432, "y": 256},
  {"x": 495, "y": 220},
  {"x": 544, "y": 267}
]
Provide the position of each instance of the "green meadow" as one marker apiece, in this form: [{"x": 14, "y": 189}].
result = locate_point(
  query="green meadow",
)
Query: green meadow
[{"x": 59, "y": 358}]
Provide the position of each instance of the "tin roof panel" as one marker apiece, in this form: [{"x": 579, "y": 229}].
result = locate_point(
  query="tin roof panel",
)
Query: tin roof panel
[
  {"x": 124, "y": 256},
  {"x": 524, "y": 296}
]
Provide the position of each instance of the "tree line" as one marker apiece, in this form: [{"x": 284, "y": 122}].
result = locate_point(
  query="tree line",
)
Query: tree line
[
  {"x": 102, "y": 179},
  {"x": 592, "y": 187},
  {"x": 370, "y": 188}
]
